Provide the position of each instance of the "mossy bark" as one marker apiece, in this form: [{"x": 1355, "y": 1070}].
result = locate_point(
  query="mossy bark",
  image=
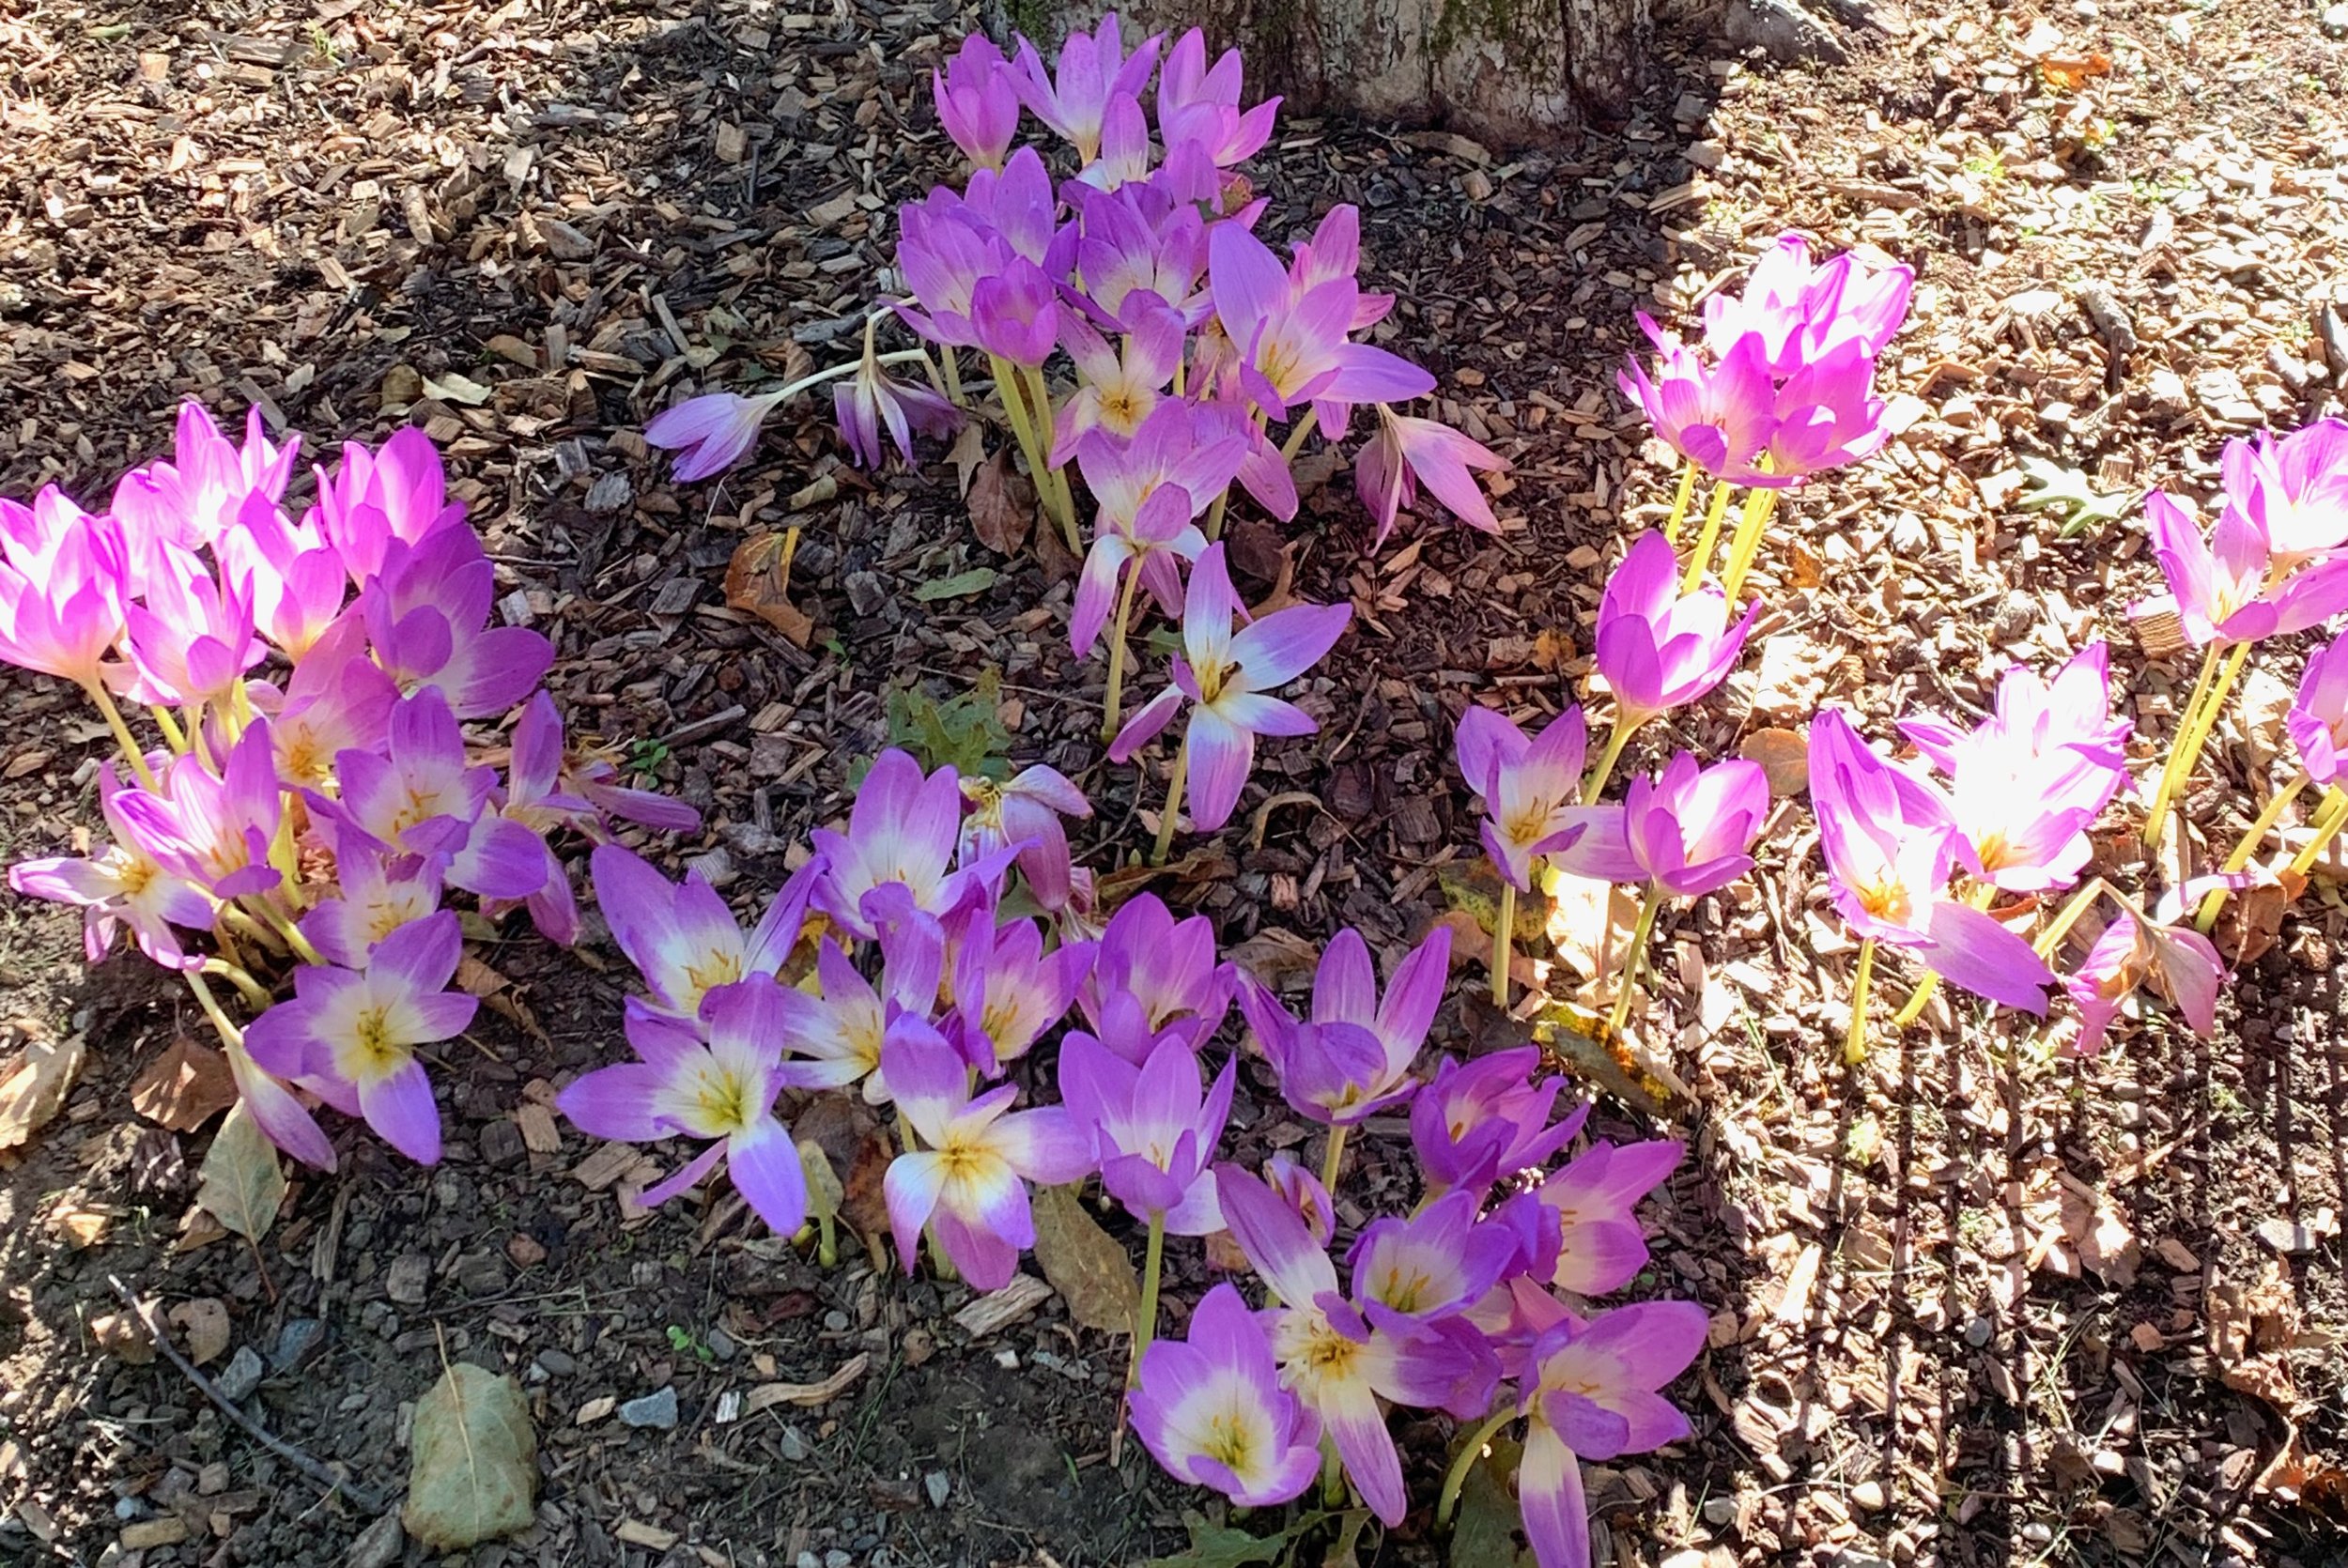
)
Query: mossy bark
[{"x": 1515, "y": 71}]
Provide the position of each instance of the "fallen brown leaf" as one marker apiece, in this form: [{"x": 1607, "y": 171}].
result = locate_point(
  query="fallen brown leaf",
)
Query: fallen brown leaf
[
  {"x": 1002, "y": 505},
  {"x": 33, "y": 1087},
  {"x": 1083, "y": 1263},
  {"x": 202, "y": 1326},
  {"x": 184, "y": 1087},
  {"x": 767, "y": 1395},
  {"x": 758, "y": 582}
]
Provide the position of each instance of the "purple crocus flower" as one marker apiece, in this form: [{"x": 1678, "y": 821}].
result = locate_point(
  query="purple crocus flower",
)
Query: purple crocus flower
[
  {"x": 1153, "y": 975},
  {"x": 1352, "y": 1057},
  {"x": 1136, "y": 249},
  {"x": 1201, "y": 105},
  {"x": 1024, "y": 815},
  {"x": 1594, "y": 1397},
  {"x": 1887, "y": 837},
  {"x": 1014, "y": 312},
  {"x": 64, "y": 582},
  {"x": 844, "y": 1032},
  {"x": 228, "y": 822},
  {"x": 969, "y": 1184},
  {"x": 1153, "y": 1134},
  {"x": 195, "y": 499},
  {"x": 2318, "y": 719},
  {"x": 1596, "y": 1197},
  {"x": 128, "y": 882},
  {"x": 1720, "y": 417},
  {"x": 1116, "y": 392},
  {"x": 1093, "y": 68},
  {"x": 376, "y": 896},
  {"x": 1301, "y": 1190},
  {"x": 1211, "y": 1410},
  {"x": 1479, "y": 1121},
  {"x": 2296, "y": 486},
  {"x": 722, "y": 1089},
  {"x": 1292, "y": 346},
  {"x": 1160, "y": 535},
  {"x": 425, "y": 797},
  {"x": 1227, "y": 679},
  {"x": 896, "y": 861},
  {"x": 2227, "y": 586},
  {"x": 337, "y": 699},
  {"x": 350, "y": 1035},
  {"x": 375, "y": 496},
  {"x": 427, "y": 616},
  {"x": 682, "y": 938},
  {"x": 1800, "y": 312},
  {"x": 1688, "y": 829},
  {"x": 1336, "y": 1361},
  {"x": 710, "y": 433},
  {"x": 1827, "y": 415},
  {"x": 871, "y": 399},
  {"x": 977, "y": 100},
  {"x": 1413, "y": 1272},
  {"x": 1409, "y": 451},
  {"x": 1529, "y": 785},
  {"x": 1657, "y": 648},
  {"x": 1008, "y": 990}
]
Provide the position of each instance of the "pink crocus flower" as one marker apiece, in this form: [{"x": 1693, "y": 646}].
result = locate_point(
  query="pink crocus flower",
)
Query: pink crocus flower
[
  {"x": 722, "y": 1089},
  {"x": 193, "y": 639},
  {"x": 1118, "y": 389},
  {"x": 1015, "y": 311},
  {"x": 1657, "y": 648},
  {"x": 63, "y": 587},
  {"x": 2318, "y": 719},
  {"x": 896, "y": 861},
  {"x": 1292, "y": 346},
  {"x": 1410, "y": 1272},
  {"x": 128, "y": 882},
  {"x": 229, "y": 819},
  {"x": 276, "y": 1110},
  {"x": 1481, "y": 1121},
  {"x": 1160, "y": 535},
  {"x": 1407, "y": 452},
  {"x": 711, "y": 433},
  {"x": 1800, "y": 312},
  {"x": 1337, "y": 1363},
  {"x": 2165, "y": 953},
  {"x": 871, "y": 399},
  {"x": 1720, "y": 417},
  {"x": 1226, "y": 678},
  {"x": 842, "y": 1034},
  {"x": 1301, "y": 1190},
  {"x": 1197, "y": 103},
  {"x": 1093, "y": 68},
  {"x": 1125, "y": 149},
  {"x": 1593, "y": 1396},
  {"x": 977, "y": 101},
  {"x": 375, "y": 896},
  {"x": 1135, "y": 249},
  {"x": 967, "y": 1185},
  {"x": 1024, "y": 815},
  {"x": 682, "y": 938},
  {"x": 1825, "y": 415},
  {"x": 1352, "y": 1058},
  {"x": 351, "y": 1036},
  {"x": 297, "y": 581},
  {"x": 1153, "y": 1133},
  {"x": 337, "y": 699},
  {"x": 425, "y": 796},
  {"x": 2295, "y": 486},
  {"x": 1530, "y": 787},
  {"x": 1210, "y": 1409},
  {"x": 1154, "y": 976},
  {"x": 1596, "y": 1197},
  {"x": 1690, "y": 828},
  {"x": 1009, "y": 990},
  {"x": 427, "y": 616},
  {"x": 195, "y": 499},
  {"x": 2228, "y": 587},
  {"x": 375, "y": 496},
  {"x": 1887, "y": 837}
]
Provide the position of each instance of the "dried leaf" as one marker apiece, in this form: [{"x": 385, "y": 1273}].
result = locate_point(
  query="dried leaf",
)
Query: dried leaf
[
  {"x": 758, "y": 582},
  {"x": 34, "y": 1086},
  {"x": 767, "y": 1395},
  {"x": 968, "y": 452},
  {"x": 184, "y": 1087},
  {"x": 1083, "y": 1263},
  {"x": 1783, "y": 755},
  {"x": 202, "y": 1326},
  {"x": 2104, "y": 1242},
  {"x": 857, "y": 1150},
  {"x": 1002, "y": 505},
  {"x": 240, "y": 1184},
  {"x": 474, "y": 1468}
]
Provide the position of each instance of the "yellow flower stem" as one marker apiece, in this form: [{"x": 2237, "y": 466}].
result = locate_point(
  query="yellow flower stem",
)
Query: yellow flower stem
[
  {"x": 1146, "y": 1315},
  {"x": 1700, "y": 557},
  {"x": 229, "y": 1034},
  {"x": 1113, "y": 696},
  {"x": 1855, "y": 1041},
  {"x": 2048, "y": 940},
  {"x": 1627, "y": 981},
  {"x": 2252, "y": 837},
  {"x": 1063, "y": 499},
  {"x": 255, "y": 995},
  {"x": 2156, "y": 821},
  {"x": 1333, "y": 1155},
  {"x": 2328, "y": 826},
  {"x": 1913, "y": 1007},
  {"x": 1007, "y": 387},
  {"x": 295, "y": 941},
  {"x": 173, "y": 736},
  {"x": 1295, "y": 443},
  {"x": 1173, "y": 801},
  {"x": 1448, "y": 1501},
  {"x": 950, "y": 362},
  {"x": 1504, "y": 938},
  {"x": 1215, "y": 514},
  {"x": 1616, "y": 740},
  {"x": 131, "y": 752},
  {"x": 232, "y": 916},
  {"x": 1679, "y": 502},
  {"x": 1759, "y": 506}
]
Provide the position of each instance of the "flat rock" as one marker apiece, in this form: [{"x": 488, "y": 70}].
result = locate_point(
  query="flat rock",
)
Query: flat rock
[
  {"x": 243, "y": 1374},
  {"x": 655, "y": 1410}
]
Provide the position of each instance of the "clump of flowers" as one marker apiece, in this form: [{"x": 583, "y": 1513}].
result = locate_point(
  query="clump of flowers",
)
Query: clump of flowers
[{"x": 311, "y": 796}]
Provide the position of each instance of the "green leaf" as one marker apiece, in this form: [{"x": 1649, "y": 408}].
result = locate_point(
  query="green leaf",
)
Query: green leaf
[
  {"x": 1489, "y": 1531},
  {"x": 1220, "y": 1547},
  {"x": 960, "y": 586},
  {"x": 965, "y": 732},
  {"x": 474, "y": 1462},
  {"x": 240, "y": 1184},
  {"x": 2053, "y": 486}
]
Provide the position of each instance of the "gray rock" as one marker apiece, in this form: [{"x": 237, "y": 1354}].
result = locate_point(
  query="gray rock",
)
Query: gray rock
[
  {"x": 558, "y": 1363},
  {"x": 379, "y": 1545},
  {"x": 407, "y": 1279},
  {"x": 243, "y": 1374},
  {"x": 937, "y": 1485},
  {"x": 656, "y": 1410},
  {"x": 297, "y": 1341}
]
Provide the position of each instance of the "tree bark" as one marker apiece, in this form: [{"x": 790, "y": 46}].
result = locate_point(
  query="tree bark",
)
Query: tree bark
[{"x": 1514, "y": 70}]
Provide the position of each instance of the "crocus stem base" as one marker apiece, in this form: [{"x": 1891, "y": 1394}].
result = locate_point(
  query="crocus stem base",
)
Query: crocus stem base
[
  {"x": 131, "y": 752},
  {"x": 1747, "y": 541},
  {"x": 1855, "y": 1038},
  {"x": 1448, "y": 1501},
  {"x": 1213, "y": 526},
  {"x": 229, "y": 1034},
  {"x": 1708, "y": 537},
  {"x": 2045, "y": 943},
  {"x": 1333, "y": 1155},
  {"x": 2200, "y": 716},
  {"x": 2252, "y": 837},
  {"x": 1626, "y": 984},
  {"x": 1053, "y": 481},
  {"x": 1113, "y": 694},
  {"x": 1680, "y": 502},
  {"x": 255, "y": 995},
  {"x": 1625, "y": 727},
  {"x": 1295, "y": 443},
  {"x": 2334, "y": 816},
  {"x": 173, "y": 736},
  {"x": 1504, "y": 939},
  {"x": 1146, "y": 1315},
  {"x": 1174, "y": 783}
]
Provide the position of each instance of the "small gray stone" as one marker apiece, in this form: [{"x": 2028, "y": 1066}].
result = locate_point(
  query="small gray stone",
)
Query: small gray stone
[
  {"x": 656, "y": 1410},
  {"x": 1719, "y": 1511},
  {"x": 379, "y": 1545},
  {"x": 794, "y": 1444},
  {"x": 1977, "y": 1331},
  {"x": 407, "y": 1279},
  {"x": 2286, "y": 1236},
  {"x": 937, "y": 1485},
  {"x": 867, "y": 593},
  {"x": 501, "y": 1143},
  {"x": 558, "y": 1363},
  {"x": 297, "y": 1341},
  {"x": 243, "y": 1374},
  {"x": 610, "y": 492},
  {"x": 2015, "y": 616},
  {"x": 720, "y": 1343}
]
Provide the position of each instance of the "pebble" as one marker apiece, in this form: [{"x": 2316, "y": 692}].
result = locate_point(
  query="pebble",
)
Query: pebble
[
  {"x": 558, "y": 1363},
  {"x": 501, "y": 1144},
  {"x": 1869, "y": 1496},
  {"x": 243, "y": 1374},
  {"x": 720, "y": 1343},
  {"x": 937, "y": 1485},
  {"x": 1977, "y": 1330},
  {"x": 656, "y": 1410},
  {"x": 406, "y": 1280},
  {"x": 2015, "y": 616},
  {"x": 2335, "y": 19},
  {"x": 793, "y": 1443},
  {"x": 1719, "y": 1511},
  {"x": 836, "y": 1320},
  {"x": 297, "y": 1341}
]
